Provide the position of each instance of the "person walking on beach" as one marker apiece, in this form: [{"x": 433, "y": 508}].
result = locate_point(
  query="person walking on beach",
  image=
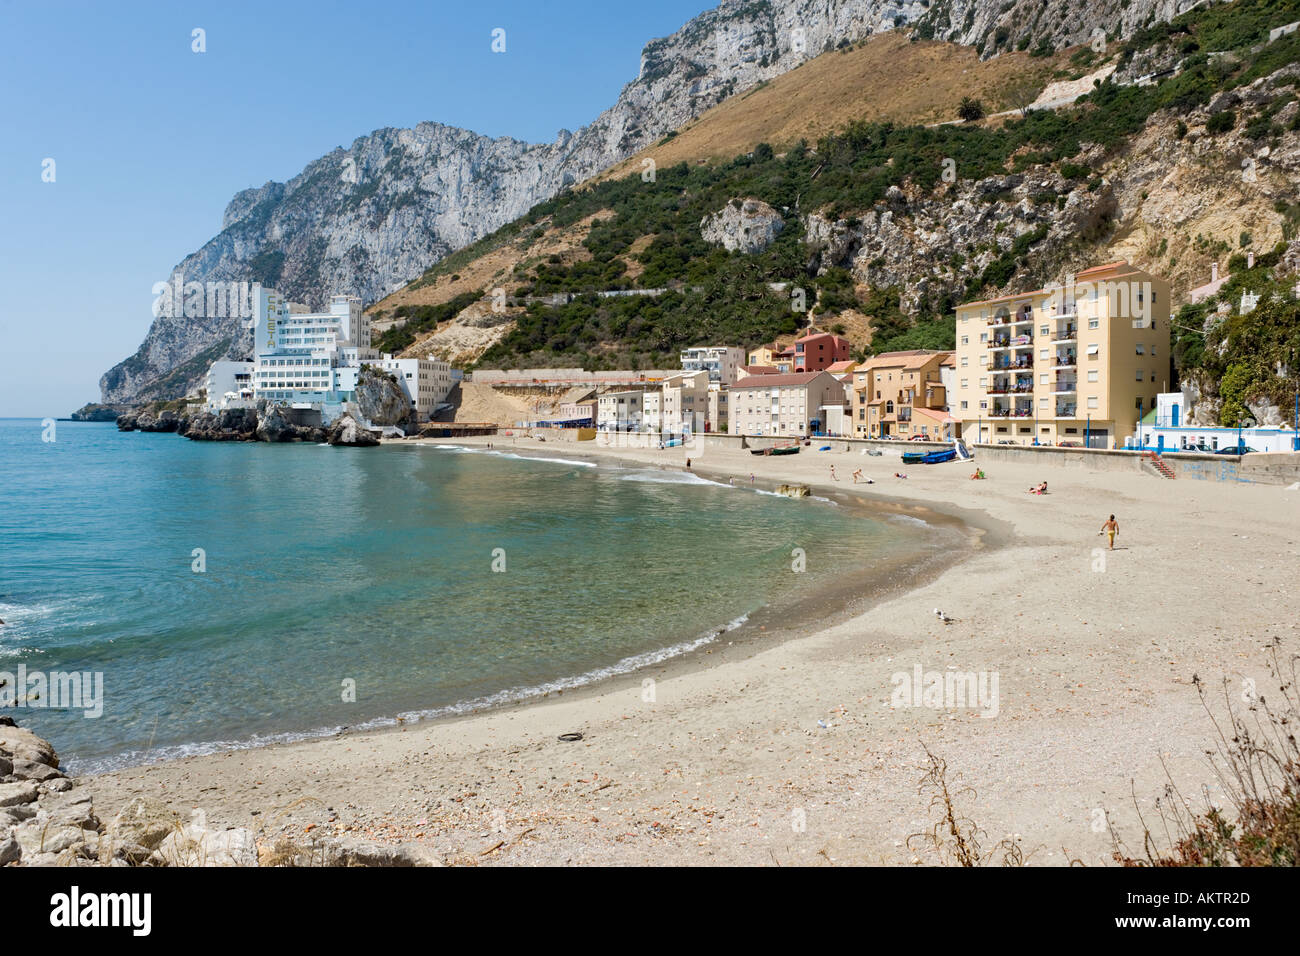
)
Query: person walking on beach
[
  {"x": 833, "y": 478},
  {"x": 1111, "y": 528}
]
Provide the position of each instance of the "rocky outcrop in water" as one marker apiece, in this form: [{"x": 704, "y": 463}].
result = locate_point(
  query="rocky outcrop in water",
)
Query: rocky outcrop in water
[
  {"x": 367, "y": 219},
  {"x": 266, "y": 422},
  {"x": 347, "y": 431},
  {"x": 274, "y": 424},
  {"x": 95, "y": 412}
]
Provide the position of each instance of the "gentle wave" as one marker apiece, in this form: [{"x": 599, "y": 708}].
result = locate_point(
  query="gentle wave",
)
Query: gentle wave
[
  {"x": 466, "y": 449},
  {"x": 670, "y": 478},
  {"x": 910, "y": 520},
  {"x": 557, "y": 461},
  {"x": 135, "y": 758}
]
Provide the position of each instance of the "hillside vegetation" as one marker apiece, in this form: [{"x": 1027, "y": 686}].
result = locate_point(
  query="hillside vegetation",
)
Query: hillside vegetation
[{"x": 1017, "y": 183}]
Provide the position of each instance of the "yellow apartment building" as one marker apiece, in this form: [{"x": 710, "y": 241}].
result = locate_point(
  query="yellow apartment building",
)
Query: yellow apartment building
[
  {"x": 1074, "y": 363},
  {"x": 888, "y": 389}
]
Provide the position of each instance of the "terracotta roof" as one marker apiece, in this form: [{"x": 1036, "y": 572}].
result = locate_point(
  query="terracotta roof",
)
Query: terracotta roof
[
  {"x": 760, "y": 369},
  {"x": 1121, "y": 265},
  {"x": 938, "y": 414},
  {"x": 776, "y": 381},
  {"x": 1003, "y": 298},
  {"x": 844, "y": 365},
  {"x": 906, "y": 358},
  {"x": 1108, "y": 267}
]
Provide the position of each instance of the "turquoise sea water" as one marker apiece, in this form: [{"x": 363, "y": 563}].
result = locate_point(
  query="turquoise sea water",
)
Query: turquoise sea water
[{"x": 326, "y": 565}]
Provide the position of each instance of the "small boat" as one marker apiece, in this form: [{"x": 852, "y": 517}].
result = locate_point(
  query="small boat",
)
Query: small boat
[
  {"x": 928, "y": 458},
  {"x": 791, "y": 449}
]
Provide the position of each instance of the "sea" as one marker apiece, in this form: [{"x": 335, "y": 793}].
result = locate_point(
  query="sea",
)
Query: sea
[{"x": 231, "y": 595}]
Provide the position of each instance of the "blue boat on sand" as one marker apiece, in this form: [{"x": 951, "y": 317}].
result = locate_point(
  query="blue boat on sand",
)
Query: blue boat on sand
[{"x": 929, "y": 458}]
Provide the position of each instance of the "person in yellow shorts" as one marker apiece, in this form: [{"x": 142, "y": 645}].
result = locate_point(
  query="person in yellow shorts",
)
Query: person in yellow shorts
[{"x": 1111, "y": 528}]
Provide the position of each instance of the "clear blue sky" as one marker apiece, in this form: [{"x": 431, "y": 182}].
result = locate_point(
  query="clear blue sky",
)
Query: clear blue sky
[{"x": 150, "y": 140}]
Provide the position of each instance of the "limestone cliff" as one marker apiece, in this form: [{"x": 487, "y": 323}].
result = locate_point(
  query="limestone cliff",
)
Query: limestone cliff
[{"x": 366, "y": 219}]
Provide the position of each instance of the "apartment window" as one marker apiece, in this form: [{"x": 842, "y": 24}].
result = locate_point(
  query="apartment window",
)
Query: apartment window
[
  {"x": 1042, "y": 330},
  {"x": 1139, "y": 374},
  {"x": 1092, "y": 402},
  {"x": 1094, "y": 350},
  {"x": 1042, "y": 353},
  {"x": 984, "y": 336},
  {"x": 963, "y": 404},
  {"x": 1140, "y": 350},
  {"x": 963, "y": 361},
  {"x": 1042, "y": 379},
  {"x": 1042, "y": 403},
  {"x": 1094, "y": 323},
  {"x": 964, "y": 381},
  {"x": 965, "y": 340},
  {"x": 1092, "y": 375},
  {"x": 984, "y": 404}
]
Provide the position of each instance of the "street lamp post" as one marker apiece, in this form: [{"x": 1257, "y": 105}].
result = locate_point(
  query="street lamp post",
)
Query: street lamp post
[{"x": 1295, "y": 422}]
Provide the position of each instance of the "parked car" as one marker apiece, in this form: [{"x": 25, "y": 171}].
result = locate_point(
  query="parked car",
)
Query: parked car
[
  {"x": 918, "y": 438},
  {"x": 1235, "y": 450},
  {"x": 1069, "y": 444}
]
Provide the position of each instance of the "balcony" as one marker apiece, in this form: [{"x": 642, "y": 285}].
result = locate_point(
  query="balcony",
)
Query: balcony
[
  {"x": 1012, "y": 342},
  {"x": 1021, "y": 362},
  {"x": 1022, "y": 318},
  {"x": 1065, "y": 386}
]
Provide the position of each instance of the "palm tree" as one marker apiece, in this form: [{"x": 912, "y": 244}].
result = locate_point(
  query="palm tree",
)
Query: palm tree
[{"x": 970, "y": 109}]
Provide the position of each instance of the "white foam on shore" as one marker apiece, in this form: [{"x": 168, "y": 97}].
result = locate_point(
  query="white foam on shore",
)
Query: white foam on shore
[
  {"x": 513, "y": 695},
  {"x": 466, "y": 449},
  {"x": 670, "y": 478},
  {"x": 910, "y": 520},
  {"x": 557, "y": 461}
]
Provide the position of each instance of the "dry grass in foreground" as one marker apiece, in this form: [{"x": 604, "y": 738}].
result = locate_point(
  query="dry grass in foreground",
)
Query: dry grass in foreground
[{"x": 1256, "y": 761}]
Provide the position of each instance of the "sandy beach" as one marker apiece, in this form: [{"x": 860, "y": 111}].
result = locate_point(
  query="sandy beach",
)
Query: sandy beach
[{"x": 788, "y": 752}]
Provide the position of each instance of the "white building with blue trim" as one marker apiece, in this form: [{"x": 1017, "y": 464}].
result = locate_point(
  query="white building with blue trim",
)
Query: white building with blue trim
[{"x": 1166, "y": 430}]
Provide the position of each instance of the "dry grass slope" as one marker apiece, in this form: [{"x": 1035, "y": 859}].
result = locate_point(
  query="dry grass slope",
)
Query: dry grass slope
[{"x": 884, "y": 78}]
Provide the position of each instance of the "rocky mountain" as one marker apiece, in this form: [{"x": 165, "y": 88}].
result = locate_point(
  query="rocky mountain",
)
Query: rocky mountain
[
  {"x": 1028, "y": 24},
  {"x": 366, "y": 219}
]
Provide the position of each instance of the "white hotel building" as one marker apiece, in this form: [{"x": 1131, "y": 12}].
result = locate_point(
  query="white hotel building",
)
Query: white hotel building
[{"x": 312, "y": 360}]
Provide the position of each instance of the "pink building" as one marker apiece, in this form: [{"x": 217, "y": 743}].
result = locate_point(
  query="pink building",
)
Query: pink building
[{"x": 818, "y": 351}]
